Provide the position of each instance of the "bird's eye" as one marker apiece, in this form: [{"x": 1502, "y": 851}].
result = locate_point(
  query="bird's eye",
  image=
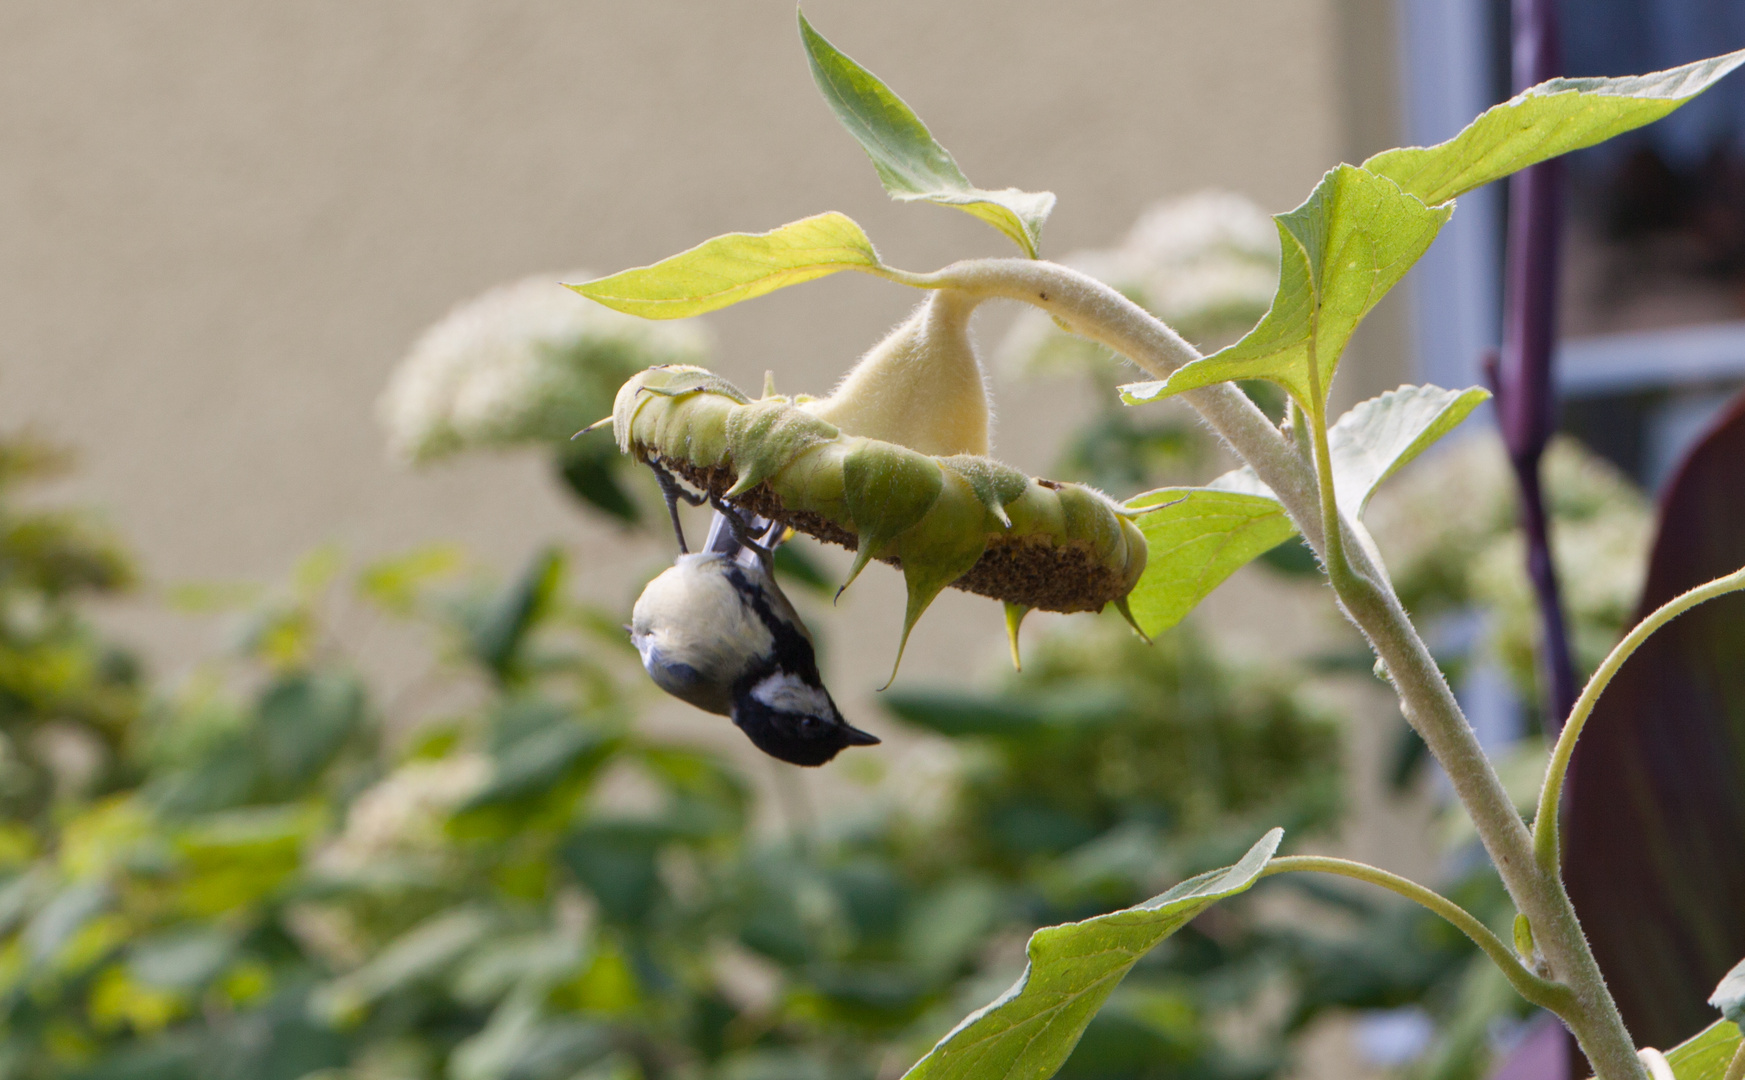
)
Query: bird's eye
[{"x": 811, "y": 725}]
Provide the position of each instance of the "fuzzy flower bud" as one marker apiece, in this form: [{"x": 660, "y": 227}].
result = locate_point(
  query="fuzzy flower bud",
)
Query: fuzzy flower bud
[{"x": 921, "y": 387}]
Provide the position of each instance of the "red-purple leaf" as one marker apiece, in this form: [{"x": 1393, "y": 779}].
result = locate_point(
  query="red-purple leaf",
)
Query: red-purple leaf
[{"x": 1655, "y": 829}]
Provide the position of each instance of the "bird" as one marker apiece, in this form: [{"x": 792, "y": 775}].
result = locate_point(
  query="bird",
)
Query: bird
[{"x": 716, "y": 631}]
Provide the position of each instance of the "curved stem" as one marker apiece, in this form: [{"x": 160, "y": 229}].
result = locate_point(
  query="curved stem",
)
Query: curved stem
[
  {"x": 1539, "y": 991},
  {"x": 1546, "y": 840},
  {"x": 1092, "y": 309}
]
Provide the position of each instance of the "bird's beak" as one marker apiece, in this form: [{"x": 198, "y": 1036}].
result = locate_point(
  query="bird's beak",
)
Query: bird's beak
[{"x": 856, "y": 737}]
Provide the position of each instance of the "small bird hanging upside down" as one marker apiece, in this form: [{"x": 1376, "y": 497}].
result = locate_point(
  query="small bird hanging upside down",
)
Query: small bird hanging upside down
[{"x": 715, "y": 630}]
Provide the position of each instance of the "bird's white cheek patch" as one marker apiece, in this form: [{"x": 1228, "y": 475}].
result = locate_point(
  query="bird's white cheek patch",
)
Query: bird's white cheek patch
[{"x": 787, "y": 693}]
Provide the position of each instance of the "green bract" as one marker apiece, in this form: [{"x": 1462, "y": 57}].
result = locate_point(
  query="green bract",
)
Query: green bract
[{"x": 963, "y": 520}]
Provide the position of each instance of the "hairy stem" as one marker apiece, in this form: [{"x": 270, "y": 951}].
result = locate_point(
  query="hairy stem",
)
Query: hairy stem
[
  {"x": 1546, "y": 835},
  {"x": 1542, "y": 992},
  {"x": 1090, "y": 308}
]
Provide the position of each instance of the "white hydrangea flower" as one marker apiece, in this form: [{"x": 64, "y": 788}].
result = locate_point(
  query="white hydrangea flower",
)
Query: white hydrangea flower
[
  {"x": 526, "y": 362},
  {"x": 1205, "y": 263},
  {"x": 404, "y": 812},
  {"x": 1601, "y": 531},
  {"x": 1209, "y": 262}
]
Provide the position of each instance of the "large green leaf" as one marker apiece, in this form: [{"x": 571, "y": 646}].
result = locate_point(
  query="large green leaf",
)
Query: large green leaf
[
  {"x": 1343, "y": 249},
  {"x": 1379, "y": 436},
  {"x": 1027, "y": 1033},
  {"x": 738, "y": 266},
  {"x": 1195, "y": 539},
  {"x": 910, "y": 162},
  {"x": 1704, "y": 1056},
  {"x": 1542, "y": 122}
]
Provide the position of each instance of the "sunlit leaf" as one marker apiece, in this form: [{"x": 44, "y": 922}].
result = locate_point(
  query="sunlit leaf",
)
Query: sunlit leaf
[
  {"x": 1542, "y": 122},
  {"x": 910, "y": 162},
  {"x": 1705, "y": 1055},
  {"x": 1343, "y": 249},
  {"x": 738, "y": 266},
  {"x": 1380, "y": 436},
  {"x": 1028, "y": 1032},
  {"x": 1195, "y": 539}
]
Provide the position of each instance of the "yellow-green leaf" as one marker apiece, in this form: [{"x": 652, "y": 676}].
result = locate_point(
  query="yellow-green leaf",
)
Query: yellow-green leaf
[
  {"x": 1195, "y": 539},
  {"x": 1343, "y": 249},
  {"x": 738, "y": 266},
  {"x": 1705, "y": 1055},
  {"x": 1379, "y": 436},
  {"x": 1027, "y": 1033},
  {"x": 910, "y": 162},
  {"x": 1542, "y": 122}
]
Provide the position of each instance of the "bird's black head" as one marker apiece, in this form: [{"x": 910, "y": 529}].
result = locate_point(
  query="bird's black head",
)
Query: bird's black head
[{"x": 793, "y": 718}]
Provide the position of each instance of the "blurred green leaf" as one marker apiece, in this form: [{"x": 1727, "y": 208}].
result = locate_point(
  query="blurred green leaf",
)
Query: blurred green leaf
[
  {"x": 502, "y": 628},
  {"x": 396, "y": 583},
  {"x": 502, "y": 962},
  {"x": 425, "y": 952},
  {"x": 536, "y": 745},
  {"x": 795, "y": 566},
  {"x": 944, "y": 927},
  {"x": 593, "y": 470},
  {"x": 304, "y": 720},
  {"x": 182, "y": 959},
  {"x": 63, "y": 917},
  {"x": 617, "y": 861},
  {"x": 237, "y": 858},
  {"x": 1542, "y": 122},
  {"x": 521, "y": 1042},
  {"x": 959, "y": 713},
  {"x": 737, "y": 266},
  {"x": 1028, "y": 1032},
  {"x": 910, "y": 162}
]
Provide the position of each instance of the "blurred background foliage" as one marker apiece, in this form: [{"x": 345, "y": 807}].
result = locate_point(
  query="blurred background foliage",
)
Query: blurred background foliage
[
  {"x": 279, "y": 870},
  {"x": 285, "y": 867}
]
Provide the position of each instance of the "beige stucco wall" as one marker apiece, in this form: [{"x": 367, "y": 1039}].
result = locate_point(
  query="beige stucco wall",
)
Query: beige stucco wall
[{"x": 221, "y": 224}]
